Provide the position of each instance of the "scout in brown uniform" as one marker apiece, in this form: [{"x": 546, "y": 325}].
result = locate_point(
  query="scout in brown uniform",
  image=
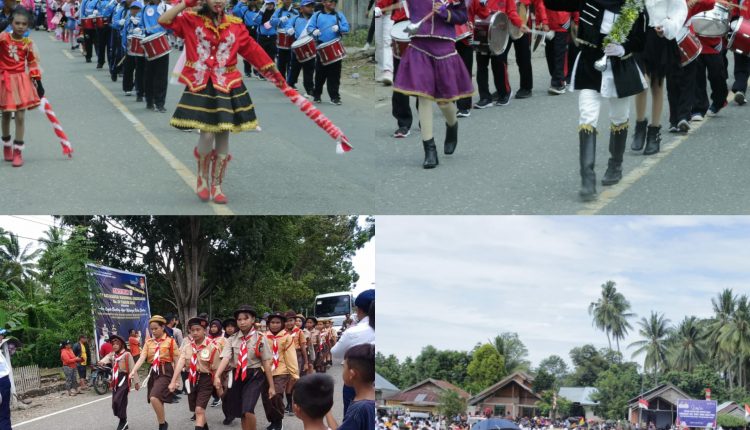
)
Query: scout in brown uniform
[
  {"x": 284, "y": 368},
  {"x": 161, "y": 352},
  {"x": 203, "y": 356},
  {"x": 312, "y": 337},
  {"x": 230, "y": 328},
  {"x": 216, "y": 335},
  {"x": 300, "y": 348},
  {"x": 321, "y": 346},
  {"x": 248, "y": 352},
  {"x": 122, "y": 362},
  {"x": 300, "y": 323},
  {"x": 331, "y": 339}
]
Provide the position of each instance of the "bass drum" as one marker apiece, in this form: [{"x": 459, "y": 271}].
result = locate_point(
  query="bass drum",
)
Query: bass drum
[{"x": 491, "y": 34}]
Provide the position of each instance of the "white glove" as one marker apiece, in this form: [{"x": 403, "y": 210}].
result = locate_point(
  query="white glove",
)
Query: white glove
[
  {"x": 284, "y": 19},
  {"x": 614, "y": 50},
  {"x": 137, "y": 30},
  {"x": 96, "y": 12},
  {"x": 135, "y": 21},
  {"x": 378, "y": 12},
  {"x": 267, "y": 25},
  {"x": 290, "y": 31},
  {"x": 335, "y": 28},
  {"x": 316, "y": 32},
  {"x": 121, "y": 22}
]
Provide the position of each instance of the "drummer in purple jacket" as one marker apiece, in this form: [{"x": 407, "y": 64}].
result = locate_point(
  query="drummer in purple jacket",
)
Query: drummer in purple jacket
[
  {"x": 432, "y": 70},
  {"x": 327, "y": 26}
]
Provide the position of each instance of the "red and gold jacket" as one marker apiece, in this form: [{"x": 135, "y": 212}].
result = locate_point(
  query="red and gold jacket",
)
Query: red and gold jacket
[
  {"x": 482, "y": 11},
  {"x": 16, "y": 54},
  {"x": 711, "y": 45},
  {"x": 211, "y": 52}
]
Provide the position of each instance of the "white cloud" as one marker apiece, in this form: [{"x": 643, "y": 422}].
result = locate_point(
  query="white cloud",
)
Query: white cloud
[{"x": 455, "y": 281}]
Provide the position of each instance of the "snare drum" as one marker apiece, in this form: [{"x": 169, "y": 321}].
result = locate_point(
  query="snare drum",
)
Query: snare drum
[
  {"x": 304, "y": 49},
  {"x": 331, "y": 52},
  {"x": 135, "y": 45},
  {"x": 712, "y": 23},
  {"x": 740, "y": 40},
  {"x": 100, "y": 22},
  {"x": 400, "y": 38},
  {"x": 283, "y": 40},
  {"x": 689, "y": 46},
  {"x": 463, "y": 31},
  {"x": 156, "y": 46},
  {"x": 88, "y": 23},
  {"x": 491, "y": 34}
]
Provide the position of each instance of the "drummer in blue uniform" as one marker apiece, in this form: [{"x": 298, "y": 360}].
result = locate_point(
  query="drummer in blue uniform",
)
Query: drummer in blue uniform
[
  {"x": 89, "y": 36},
  {"x": 266, "y": 32},
  {"x": 325, "y": 26},
  {"x": 156, "y": 71},
  {"x": 298, "y": 25},
  {"x": 247, "y": 10},
  {"x": 133, "y": 66},
  {"x": 282, "y": 20},
  {"x": 116, "y": 53},
  {"x": 104, "y": 8}
]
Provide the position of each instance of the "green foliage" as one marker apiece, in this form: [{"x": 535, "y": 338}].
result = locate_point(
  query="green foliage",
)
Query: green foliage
[
  {"x": 555, "y": 366},
  {"x": 451, "y": 404},
  {"x": 610, "y": 313},
  {"x": 512, "y": 349},
  {"x": 446, "y": 365},
  {"x": 389, "y": 368},
  {"x": 694, "y": 383},
  {"x": 616, "y": 385},
  {"x": 655, "y": 332},
  {"x": 730, "y": 421},
  {"x": 543, "y": 381},
  {"x": 545, "y": 405},
  {"x": 487, "y": 367},
  {"x": 589, "y": 363}
]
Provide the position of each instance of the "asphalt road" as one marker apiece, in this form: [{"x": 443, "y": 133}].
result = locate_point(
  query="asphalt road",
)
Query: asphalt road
[
  {"x": 129, "y": 160},
  {"x": 523, "y": 159},
  {"x": 98, "y": 415}
]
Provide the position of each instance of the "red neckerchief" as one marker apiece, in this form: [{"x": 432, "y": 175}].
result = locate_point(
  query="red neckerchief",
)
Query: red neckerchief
[
  {"x": 116, "y": 370},
  {"x": 275, "y": 347},
  {"x": 157, "y": 360},
  {"x": 193, "y": 373},
  {"x": 242, "y": 361}
]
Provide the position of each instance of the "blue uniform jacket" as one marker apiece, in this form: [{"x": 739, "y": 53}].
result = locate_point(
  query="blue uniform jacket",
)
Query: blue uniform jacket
[
  {"x": 280, "y": 12},
  {"x": 150, "y": 20},
  {"x": 239, "y": 9},
  {"x": 258, "y": 22},
  {"x": 299, "y": 22},
  {"x": 106, "y": 7},
  {"x": 117, "y": 15},
  {"x": 249, "y": 17},
  {"x": 87, "y": 8},
  {"x": 324, "y": 21},
  {"x": 128, "y": 28}
]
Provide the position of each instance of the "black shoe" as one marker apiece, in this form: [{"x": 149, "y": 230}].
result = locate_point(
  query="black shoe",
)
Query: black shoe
[
  {"x": 451, "y": 138},
  {"x": 160, "y": 109},
  {"x": 192, "y": 418},
  {"x": 139, "y": 99},
  {"x": 430, "y": 154},
  {"x": 463, "y": 113},
  {"x": 317, "y": 100},
  {"x": 164, "y": 426},
  {"x": 123, "y": 425},
  {"x": 337, "y": 102},
  {"x": 216, "y": 403},
  {"x": 113, "y": 76},
  {"x": 617, "y": 139},
  {"x": 639, "y": 136},
  {"x": 271, "y": 426},
  {"x": 653, "y": 140},
  {"x": 151, "y": 107},
  {"x": 587, "y": 155},
  {"x": 483, "y": 104},
  {"x": 495, "y": 96},
  {"x": 88, "y": 60},
  {"x": 504, "y": 100},
  {"x": 739, "y": 98},
  {"x": 683, "y": 126},
  {"x": 401, "y": 132},
  {"x": 523, "y": 93},
  {"x": 99, "y": 66},
  {"x": 227, "y": 421}
]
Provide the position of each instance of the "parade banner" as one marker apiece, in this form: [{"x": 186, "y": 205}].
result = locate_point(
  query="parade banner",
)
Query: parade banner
[
  {"x": 120, "y": 303},
  {"x": 696, "y": 413}
]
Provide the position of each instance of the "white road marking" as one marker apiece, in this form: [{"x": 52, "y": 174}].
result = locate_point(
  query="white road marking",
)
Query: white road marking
[
  {"x": 186, "y": 174},
  {"x": 62, "y": 411},
  {"x": 67, "y": 54}
]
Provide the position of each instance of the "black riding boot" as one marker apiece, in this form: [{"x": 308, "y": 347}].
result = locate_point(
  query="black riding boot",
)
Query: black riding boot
[
  {"x": 617, "y": 137},
  {"x": 451, "y": 138},
  {"x": 430, "y": 154},
  {"x": 587, "y": 155},
  {"x": 639, "y": 136},
  {"x": 653, "y": 140}
]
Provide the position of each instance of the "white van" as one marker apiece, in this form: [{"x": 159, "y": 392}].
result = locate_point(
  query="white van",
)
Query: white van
[{"x": 334, "y": 306}]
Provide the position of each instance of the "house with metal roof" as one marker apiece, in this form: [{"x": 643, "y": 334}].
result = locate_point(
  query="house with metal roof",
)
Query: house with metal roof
[
  {"x": 512, "y": 397},
  {"x": 383, "y": 389},
  {"x": 662, "y": 406},
  {"x": 581, "y": 397},
  {"x": 424, "y": 396}
]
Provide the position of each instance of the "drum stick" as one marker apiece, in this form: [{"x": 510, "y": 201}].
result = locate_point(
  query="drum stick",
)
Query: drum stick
[{"x": 386, "y": 9}]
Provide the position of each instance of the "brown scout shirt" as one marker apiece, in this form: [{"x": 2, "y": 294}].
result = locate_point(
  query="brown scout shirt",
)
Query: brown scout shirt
[
  {"x": 208, "y": 357},
  {"x": 234, "y": 343}
]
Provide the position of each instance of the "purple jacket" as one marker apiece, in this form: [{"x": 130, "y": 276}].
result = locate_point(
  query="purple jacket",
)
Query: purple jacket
[{"x": 442, "y": 24}]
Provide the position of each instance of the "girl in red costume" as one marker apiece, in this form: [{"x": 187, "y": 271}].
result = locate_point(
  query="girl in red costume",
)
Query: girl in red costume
[
  {"x": 215, "y": 100},
  {"x": 20, "y": 89}
]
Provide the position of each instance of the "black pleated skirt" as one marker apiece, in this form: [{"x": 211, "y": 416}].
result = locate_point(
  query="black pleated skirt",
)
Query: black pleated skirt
[{"x": 214, "y": 112}]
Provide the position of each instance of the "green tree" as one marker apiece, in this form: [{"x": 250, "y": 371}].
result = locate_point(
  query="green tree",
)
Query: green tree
[
  {"x": 734, "y": 337},
  {"x": 487, "y": 367},
  {"x": 724, "y": 306},
  {"x": 19, "y": 264},
  {"x": 555, "y": 366},
  {"x": 688, "y": 345},
  {"x": 512, "y": 349},
  {"x": 543, "y": 381},
  {"x": 589, "y": 363},
  {"x": 610, "y": 314},
  {"x": 389, "y": 368},
  {"x": 451, "y": 404},
  {"x": 616, "y": 386},
  {"x": 696, "y": 381},
  {"x": 655, "y": 330}
]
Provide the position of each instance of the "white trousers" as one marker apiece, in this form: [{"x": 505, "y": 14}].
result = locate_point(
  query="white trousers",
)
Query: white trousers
[
  {"x": 383, "y": 50},
  {"x": 590, "y": 103}
]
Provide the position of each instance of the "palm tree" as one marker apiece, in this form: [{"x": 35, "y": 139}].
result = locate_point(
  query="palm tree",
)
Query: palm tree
[
  {"x": 724, "y": 306},
  {"x": 734, "y": 337},
  {"x": 688, "y": 347},
  {"x": 610, "y": 314},
  {"x": 655, "y": 330},
  {"x": 20, "y": 264}
]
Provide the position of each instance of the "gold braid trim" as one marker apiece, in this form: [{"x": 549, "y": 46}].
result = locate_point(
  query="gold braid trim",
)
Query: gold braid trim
[
  {"x": 431, "y": 97},
  {"x": 213, "y": 128},
  {"x": 587, "y": 128},
  {"x": 614, "y": 128},
  {"x": 202, "y": 109}
]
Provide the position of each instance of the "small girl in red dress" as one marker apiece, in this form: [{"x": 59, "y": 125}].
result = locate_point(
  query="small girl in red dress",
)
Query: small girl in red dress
[{"x": 20, "y": 89}]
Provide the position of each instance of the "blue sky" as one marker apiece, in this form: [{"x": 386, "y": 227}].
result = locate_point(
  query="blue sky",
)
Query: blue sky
[{"x": 455, "y": 281}]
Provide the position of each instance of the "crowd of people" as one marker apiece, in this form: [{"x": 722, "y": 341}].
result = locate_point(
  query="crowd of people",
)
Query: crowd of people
[
  {"x": 235, "y": 361},
  {"x": 428, "y": 49}
]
